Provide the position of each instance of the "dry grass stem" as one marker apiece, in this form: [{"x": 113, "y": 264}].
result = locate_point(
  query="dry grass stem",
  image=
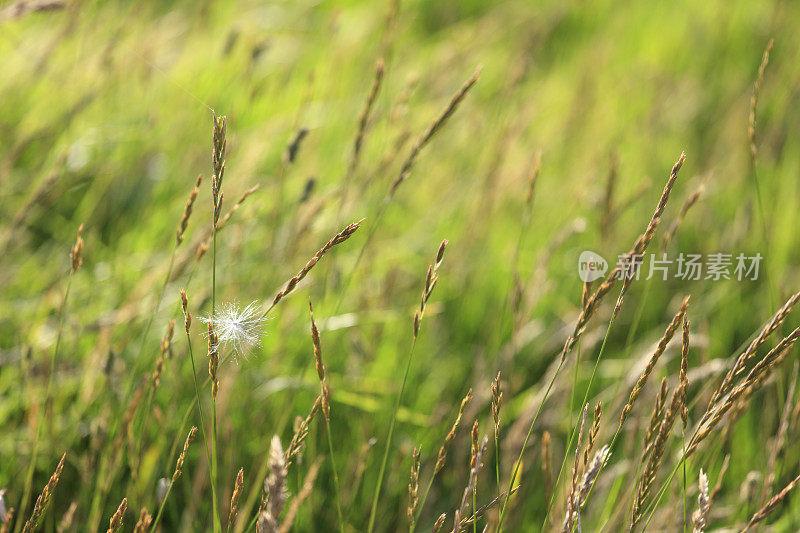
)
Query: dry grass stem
[
  {"x": 337, "y": 239},
  {"x": 770, "y": 506},
  {"x": 434, "y": 127}
]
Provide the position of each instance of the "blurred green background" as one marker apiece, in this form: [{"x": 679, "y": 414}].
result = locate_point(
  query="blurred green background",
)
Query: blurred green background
[{"x": 105, "y": 121}]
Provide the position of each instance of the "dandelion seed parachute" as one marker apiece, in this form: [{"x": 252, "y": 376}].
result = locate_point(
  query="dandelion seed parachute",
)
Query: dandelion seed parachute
[{"x": 238, "y": 328}]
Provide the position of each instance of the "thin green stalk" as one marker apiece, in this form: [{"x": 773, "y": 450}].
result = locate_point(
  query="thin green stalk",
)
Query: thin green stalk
[
  {"x": 34, "y": 454},
  {"x": 585, "y": 400},
  {"x": 373, "y": 513},
  {"x": 335, "y": 476},
  {"x": 151, "y": 393},
  {"x": 213, "y": 396},
  {"x": 525, "y": 442},
  {"x": 197, "y": 400},
  {"x": 683, "y": 517},
  {"x": 497, "y": 462},
  {"x": 161, "y": 507},
  {"x": 422, "y": 503}
]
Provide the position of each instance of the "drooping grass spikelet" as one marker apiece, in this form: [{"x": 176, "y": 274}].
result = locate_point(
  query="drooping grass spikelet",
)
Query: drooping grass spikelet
[
  {"x": 237, "y": 492},
  {"x": 437, "y": 526},
  {"x": 770, "y": 506},
  {"x": 325, "y": 403},
  {"x": 187, "y": 211},
  {"x": 315, "y": 338},
  {"x": 430, "y": 282},
  {"x": 76, "y": 253},
  {"x": 224, "y": 220},
  {"x": 44, "y": 498},
  {"x": 700, "y": 515},
  {"x": 434, "y": 127},
  {"x": 337, "y": 239},
  {"x": 182, "y": 456},
  {"x": 115, "y": 523},
  {"x": 660, "y": 347}
]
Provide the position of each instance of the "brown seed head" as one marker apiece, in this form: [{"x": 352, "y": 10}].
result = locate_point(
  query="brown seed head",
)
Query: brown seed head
[
  {"x": 440, "y": 460},
  {"x": 187, "y": 211},
  {"x": 76, "y": 254},
  {"x": 187, "y": 316},
  {"x": 213, "y": 359},
  {"x": 337, "y": 239},
  {"x": 44, "y": 498},
  {"x": 115, "y": 523},
  {"x": 237, "y": 492},
  {"x": 182, "y": 456}
]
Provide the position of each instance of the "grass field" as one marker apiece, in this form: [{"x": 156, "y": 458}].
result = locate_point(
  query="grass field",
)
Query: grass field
[{"x": 523, "y": 133}]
